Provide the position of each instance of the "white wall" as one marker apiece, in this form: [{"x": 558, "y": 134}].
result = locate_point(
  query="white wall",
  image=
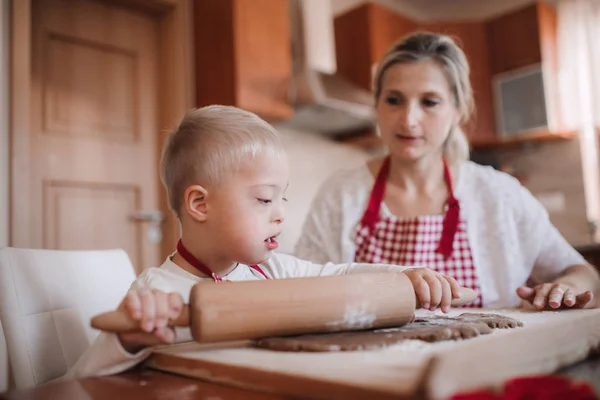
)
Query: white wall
[
  {"x": 313, "y": 158},
  {"x": 4, "y": 125}
]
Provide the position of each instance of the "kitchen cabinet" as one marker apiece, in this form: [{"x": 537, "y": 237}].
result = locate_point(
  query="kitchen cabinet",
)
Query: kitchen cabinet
[
  {"x": 523, "y": 37},
  {"x": 526, "y": 37},
  {"x": 362, "y": 35},
  {"x": 243, "y": 55}
]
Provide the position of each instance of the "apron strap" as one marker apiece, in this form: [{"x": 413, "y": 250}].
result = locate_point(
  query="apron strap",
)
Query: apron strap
[
  {"x": 450, "y": 224},
  {"x": 371, "y": 215},
  {"x": 259, "y": 270}
]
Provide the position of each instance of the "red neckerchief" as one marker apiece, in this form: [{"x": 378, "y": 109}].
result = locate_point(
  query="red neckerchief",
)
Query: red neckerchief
[{"x": 200, "y": 266}]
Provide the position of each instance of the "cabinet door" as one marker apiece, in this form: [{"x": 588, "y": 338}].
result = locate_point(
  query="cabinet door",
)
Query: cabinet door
[
  {"x": 243, "y": 55},
  {"x": 362, "y": 35},
  {"x": 515, "y": 40},
  {"x": 263, "y": 54}
]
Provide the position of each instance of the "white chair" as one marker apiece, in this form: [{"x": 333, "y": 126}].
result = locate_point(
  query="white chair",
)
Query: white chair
[
  {"x": 5, "y": 377},
  {"x": 47, "y": 298}
]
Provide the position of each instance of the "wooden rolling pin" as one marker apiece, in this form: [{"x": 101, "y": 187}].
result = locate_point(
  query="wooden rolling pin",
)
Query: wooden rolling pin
[{"x": 276, "y": 307}]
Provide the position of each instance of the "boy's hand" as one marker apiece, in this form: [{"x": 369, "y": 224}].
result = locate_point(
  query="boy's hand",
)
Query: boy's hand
[
  {"x": 153, "y": 309},
  {"x": 555, "y": 295},
  {"x": 433, "y": 289}
]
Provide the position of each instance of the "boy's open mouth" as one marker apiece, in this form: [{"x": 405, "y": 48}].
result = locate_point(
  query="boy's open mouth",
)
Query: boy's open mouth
[{"x": 271, "y": 242}]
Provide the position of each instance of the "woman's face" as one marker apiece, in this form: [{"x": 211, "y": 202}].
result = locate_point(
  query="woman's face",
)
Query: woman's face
[{"x": 416, "y": 109}]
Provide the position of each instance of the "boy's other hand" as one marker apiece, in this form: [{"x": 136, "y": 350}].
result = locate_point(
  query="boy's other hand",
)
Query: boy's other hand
[
  {"x": 153, "y": 309},
  {"x": 433, "y": 289}
]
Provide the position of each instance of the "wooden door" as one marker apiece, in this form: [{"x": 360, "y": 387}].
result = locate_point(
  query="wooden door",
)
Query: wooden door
[{"x": 93, "y": 143}]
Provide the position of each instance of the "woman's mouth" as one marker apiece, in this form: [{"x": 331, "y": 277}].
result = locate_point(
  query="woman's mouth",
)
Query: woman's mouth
[
  {"x": 408, "y": 138},
  {"x": 271, "y": 242}
]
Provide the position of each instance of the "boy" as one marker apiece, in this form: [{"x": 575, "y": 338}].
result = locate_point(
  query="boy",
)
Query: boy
[{"x": 226, "y": 173}]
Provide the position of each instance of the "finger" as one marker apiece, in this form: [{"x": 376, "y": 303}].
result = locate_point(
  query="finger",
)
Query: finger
[
  {"x": 165, "y": 335},
  {"x": 148, "y": 310},
  {"x": 555, "y": 297},
  {"x": 454, "y": 286},
  {"x": 175, "y": 305},
  {"x": 569, "y": 299},
  {"x": 133, "y": 305},
  {"x": 161, "y": 302},
  {"x": 422, "y": 291},
  {"x": 435, "y": 289},
  {"x": 584, "y": 299},
  {"x": 526, "y": 293},
  {"x": 541, "y": 295},
  {"x": 446, "y": 294}
]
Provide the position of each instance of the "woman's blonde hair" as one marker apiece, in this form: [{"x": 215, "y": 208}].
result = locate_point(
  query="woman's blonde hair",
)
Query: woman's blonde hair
[{"x": 420, "y": 46}]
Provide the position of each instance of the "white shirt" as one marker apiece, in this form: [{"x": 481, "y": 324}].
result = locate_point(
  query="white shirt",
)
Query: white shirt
[
  {"x": 509, "y": 231},
  {"x": 107, "y": 356}
]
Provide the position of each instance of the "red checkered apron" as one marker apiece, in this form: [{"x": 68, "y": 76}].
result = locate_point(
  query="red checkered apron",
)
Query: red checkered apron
[{"x": 438, "y": 242}]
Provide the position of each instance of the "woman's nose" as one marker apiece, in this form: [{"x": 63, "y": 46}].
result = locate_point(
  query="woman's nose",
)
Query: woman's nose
[{"x": 409, "y": 116}]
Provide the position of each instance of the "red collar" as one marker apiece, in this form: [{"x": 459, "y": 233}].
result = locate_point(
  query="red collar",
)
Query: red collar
[{"x": 200, "y": 266}]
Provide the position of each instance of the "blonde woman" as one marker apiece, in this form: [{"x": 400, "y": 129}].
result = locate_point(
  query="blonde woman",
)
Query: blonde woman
[{"x": 426, "y": 204}]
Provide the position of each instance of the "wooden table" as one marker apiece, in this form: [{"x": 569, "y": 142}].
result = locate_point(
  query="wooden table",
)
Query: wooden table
[
  {"x": 137, "y": 384},
  {"x": 148, "y": 385}
]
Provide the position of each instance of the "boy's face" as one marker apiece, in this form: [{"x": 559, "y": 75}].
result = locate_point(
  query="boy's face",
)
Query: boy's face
[{"x": 246, "y": 211}]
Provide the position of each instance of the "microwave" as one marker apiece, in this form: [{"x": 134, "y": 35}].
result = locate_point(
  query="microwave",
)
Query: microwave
[{"x": 521, "y": 102}]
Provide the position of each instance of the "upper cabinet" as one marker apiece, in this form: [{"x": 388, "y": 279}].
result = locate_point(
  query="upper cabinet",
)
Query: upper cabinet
[
  {"x": 522, "y": 38},
  {"x": 243, "y": 55},
  {"x": 362, "y": 35}
]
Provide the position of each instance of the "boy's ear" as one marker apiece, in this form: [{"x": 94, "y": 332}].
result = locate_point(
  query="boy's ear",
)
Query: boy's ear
[{"x": 194, "y": 202}]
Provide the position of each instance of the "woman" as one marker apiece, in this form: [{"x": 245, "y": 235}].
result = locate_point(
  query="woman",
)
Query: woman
[{"x": 426, "y": 204}]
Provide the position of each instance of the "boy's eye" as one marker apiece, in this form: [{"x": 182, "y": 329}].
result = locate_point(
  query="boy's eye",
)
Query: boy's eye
[
  {"x": 285, "y": 199},
  {"x": 264, "y": 201}
]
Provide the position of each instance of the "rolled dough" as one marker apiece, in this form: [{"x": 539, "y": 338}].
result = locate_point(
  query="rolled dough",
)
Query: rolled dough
[{"x": 428, "y": 329}]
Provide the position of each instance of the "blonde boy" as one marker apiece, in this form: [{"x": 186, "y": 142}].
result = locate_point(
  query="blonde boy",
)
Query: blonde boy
[{"x": 226, "y": 173}]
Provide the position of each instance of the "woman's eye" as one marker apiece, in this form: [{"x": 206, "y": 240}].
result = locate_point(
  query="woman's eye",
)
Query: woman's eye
[
  {"x": 264, "y": 201},
  {"x": 392, "y": 100},
  {"x": 285, "y": 200},
  {"x": 430, "y": 103}
]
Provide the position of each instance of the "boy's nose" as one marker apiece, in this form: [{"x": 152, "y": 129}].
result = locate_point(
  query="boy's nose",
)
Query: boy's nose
[{"x": 279, "y": 215}]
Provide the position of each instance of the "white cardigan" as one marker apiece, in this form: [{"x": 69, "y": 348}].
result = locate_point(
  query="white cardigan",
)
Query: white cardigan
[{"x": 509, "y": 231}]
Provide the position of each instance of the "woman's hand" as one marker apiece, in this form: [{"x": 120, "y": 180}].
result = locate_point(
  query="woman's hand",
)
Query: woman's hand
[
  {"x": 555, "y": 295},
  {"x": 433, "y": 289},
  {"x": 153, "y": 309}
]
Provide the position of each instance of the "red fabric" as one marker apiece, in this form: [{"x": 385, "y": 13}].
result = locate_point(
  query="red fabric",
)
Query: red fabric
[
  {"x": 438, "y": 242},
  {"x": 534, "y": 388},
  {"x": 200, "y": 266}
]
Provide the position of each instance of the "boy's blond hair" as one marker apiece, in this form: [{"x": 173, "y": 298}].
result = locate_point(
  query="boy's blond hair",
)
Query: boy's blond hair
[{"x": 209, "y": 145}]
